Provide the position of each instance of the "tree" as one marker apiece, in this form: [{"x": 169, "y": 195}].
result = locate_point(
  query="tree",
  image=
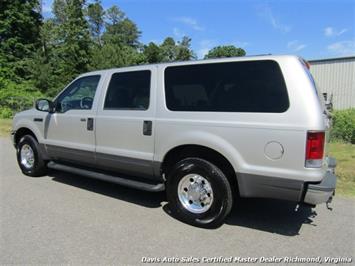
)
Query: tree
[
  {"x": 184, "y": 51},
  {"x": 111, "y": 55},
  {"x": 171, "y": 51},
  {"x": 114, "y": 15},
  {"x": 120, "y": 42},
  {"x": 225, "y": 51},
  {"x": 168, "y": 50},
  {"x": 59, "y": 10},
  {"x": 44, "y": 66},
  {"x": 72, "y": 49},
  {"x": 95, "y": 14},
  {"x": 152, "y": 53},
  {"x": 20, "y": 24},
  {"x": 120, "y": 30}
]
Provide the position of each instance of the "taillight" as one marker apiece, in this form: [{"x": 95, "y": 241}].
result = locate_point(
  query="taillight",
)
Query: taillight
[{"x": 315, "y": 149}]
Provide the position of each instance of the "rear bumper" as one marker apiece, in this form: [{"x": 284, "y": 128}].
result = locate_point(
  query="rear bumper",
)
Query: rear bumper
[{"x": 324, "y": 191}]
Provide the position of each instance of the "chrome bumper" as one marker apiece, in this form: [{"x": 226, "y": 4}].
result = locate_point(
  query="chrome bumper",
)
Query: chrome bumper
[{"x": 324, "y": 191}]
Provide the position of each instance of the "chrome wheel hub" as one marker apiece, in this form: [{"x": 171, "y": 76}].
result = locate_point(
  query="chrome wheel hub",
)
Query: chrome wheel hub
[
  {"x": 27, "y": 156},
  {"x": 195, "y": 193}
]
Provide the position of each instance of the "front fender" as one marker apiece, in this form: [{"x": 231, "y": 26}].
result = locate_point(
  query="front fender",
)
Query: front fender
[{"x": 26, "y": 120}]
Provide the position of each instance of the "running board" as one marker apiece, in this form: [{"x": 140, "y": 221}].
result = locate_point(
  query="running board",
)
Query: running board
[{"x": 113, "y": 179}]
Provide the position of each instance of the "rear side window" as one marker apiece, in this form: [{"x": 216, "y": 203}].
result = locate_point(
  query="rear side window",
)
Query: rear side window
[
  {"x": 253, "y": 86},
  {"x": 128, "y": 91}
]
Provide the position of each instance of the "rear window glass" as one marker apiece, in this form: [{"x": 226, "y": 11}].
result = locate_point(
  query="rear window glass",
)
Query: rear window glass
[
  {"x": 128, "y": 91},
  {"x": 253, "y": 86}
]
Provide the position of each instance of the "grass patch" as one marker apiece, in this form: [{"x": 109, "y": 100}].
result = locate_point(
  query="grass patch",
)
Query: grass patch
[
  {"x": 5, "y": 127},
  {"x": 345, "y": 170}
]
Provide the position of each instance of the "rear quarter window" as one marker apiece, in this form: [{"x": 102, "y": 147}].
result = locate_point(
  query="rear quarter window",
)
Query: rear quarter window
[{"x": 252, "y": 86}]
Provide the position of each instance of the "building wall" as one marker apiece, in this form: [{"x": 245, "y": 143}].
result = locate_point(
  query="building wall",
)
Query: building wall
[{"x": 337, "y": 77}]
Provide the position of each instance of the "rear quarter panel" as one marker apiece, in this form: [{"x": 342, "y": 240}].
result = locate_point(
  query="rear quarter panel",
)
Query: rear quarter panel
[{"x": 242, "y": 137}]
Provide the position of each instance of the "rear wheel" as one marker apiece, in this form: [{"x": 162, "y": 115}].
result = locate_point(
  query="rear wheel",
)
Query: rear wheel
[
  {"x": 199, "y": 193},
  {"x": 29, "y": 157}
]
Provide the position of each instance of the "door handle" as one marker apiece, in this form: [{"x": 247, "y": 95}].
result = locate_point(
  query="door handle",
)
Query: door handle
[
  {"x": 90, "y": 124},
  {"x": 82, "y": 119},
  {"x": 147, "y": 128}
]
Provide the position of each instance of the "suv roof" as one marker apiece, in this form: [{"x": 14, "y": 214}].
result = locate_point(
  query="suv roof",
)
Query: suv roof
[{"x": 205, "y": 61}]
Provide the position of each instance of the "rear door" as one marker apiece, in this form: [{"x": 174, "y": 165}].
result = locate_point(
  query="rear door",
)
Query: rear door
[{"x": 125, "y": 123}]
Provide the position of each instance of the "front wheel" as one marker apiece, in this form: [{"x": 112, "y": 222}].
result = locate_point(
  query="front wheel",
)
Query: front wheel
[
  {"x": 199, "y": 193},
  {"x": 29, "y": 157}
]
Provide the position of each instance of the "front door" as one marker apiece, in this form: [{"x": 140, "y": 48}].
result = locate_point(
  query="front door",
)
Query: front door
[{"x": 69, "y": 132}]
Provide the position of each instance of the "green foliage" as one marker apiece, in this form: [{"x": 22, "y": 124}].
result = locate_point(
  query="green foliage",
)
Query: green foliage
[
  {"x": 59, "y": 11},
  {"x": 225, "y": 51},
  {"x": 169, "y": 51},
  {"x": 120, "y": 41},
  {"x": 95, "y": 14},
  {"x": 20, "y": 24},
  {"x": 343, "y": 126},
  {"x": 120, "y": 30},
  {"x": 6, "y": 112},
  {"x": 152, "y": 53},
  {"x": 184, "y": 51},
  {"x": 112, "y": 55},
  {"x": 46, "y": 71},
  {"x": 16, "y": 97},
  {"x": 73, "y": 53},
  {"x": 66, "y": 47}
]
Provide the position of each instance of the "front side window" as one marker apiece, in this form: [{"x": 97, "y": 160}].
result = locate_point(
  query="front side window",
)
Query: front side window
[
  {"x": 250, "y": 86},
  {"x": 128, "y": 91},
  {"x": 79, "y": 95}
]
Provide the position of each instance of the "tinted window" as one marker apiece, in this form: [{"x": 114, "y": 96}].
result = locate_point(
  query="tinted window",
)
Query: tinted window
[
  {"x": 79, "y": 95},
  {"x": 128, "y": 90},
  {"x": 253, "y": 86}
]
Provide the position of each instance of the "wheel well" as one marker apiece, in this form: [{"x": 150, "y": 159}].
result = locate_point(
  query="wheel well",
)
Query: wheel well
[
  {"x": 22, "y": 132},
  {"x": 184, "y": 151}
]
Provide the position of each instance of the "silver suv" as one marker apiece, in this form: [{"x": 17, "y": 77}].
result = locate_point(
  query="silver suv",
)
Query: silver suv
[{"x": 203, "y": 131}]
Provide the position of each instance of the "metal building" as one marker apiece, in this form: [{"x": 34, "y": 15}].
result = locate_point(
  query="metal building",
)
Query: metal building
[{"x": 335, "y": 78}]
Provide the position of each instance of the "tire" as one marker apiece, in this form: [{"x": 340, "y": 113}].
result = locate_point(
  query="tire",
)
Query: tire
[
  {"x": 30, "y": 165},
  {"x": 192, "y": 173}
]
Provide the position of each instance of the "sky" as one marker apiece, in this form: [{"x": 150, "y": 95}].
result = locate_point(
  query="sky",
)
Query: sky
[{"x": 313, "y": 29}]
